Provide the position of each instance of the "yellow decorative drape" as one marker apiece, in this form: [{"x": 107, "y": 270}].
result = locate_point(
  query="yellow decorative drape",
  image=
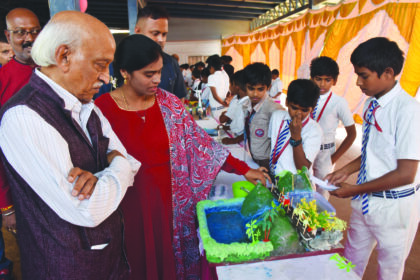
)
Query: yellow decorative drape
[{"x": 342, "y": 28}]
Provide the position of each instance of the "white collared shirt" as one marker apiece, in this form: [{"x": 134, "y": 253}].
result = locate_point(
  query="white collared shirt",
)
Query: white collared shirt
[
  {"x": 336, "y": 110},
  {"x": 311, "y": 141},
  {"x": 276, "y": 87},
  {"x": 41, "y": 157},
  {"x": 399, "y": 117},
  {"x": 237, "y": 112},
  {"x": 219, "y": 80}
]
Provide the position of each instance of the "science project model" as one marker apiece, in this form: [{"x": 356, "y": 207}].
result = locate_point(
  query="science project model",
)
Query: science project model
[{"x": 288, "y": 219}]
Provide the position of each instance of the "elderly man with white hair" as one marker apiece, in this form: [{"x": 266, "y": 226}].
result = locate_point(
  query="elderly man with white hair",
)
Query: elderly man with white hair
[{"x": 67, "y": 170}]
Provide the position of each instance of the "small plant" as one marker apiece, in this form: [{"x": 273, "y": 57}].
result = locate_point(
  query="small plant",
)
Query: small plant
[
  {"x": 251, "y": 233},
  {"x": 311, "y": 220}
]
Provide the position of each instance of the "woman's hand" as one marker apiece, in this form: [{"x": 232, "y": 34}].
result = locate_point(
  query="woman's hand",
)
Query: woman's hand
[{"x": 260, "y": 174}]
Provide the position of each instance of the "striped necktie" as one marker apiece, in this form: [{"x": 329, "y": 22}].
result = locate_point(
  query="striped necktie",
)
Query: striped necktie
[
  {"x": 313, "y": 114},
  {"x": 361, "y": 178},
  {"x": 282, "y": 139}
]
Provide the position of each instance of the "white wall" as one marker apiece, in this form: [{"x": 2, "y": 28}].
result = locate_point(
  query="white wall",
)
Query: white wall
[
  {"x": 193, "y": 48},
  {"x": 185, "y": 29}
]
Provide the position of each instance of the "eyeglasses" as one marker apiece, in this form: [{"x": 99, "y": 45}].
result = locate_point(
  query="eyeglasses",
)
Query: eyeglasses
[{"x": 21, "y": 33}]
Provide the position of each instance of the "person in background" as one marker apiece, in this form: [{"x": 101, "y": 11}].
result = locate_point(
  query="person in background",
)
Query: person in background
[
  {"x": 257, "y": 78},
  {"x": 6, "y": 51},
  {"x": 218, "y": 82},
  {"x": 276, "y": 87},
  {"x": 226, "y": 59},
  {"x": 386, "y": 202},
  {"x": 238, "y": 109},
  {"x": 200, "y": 65},
  {"x": 67, "y": 169},
  {"x": 295, "y": 136},
  {"x": 205, "y": 90},
  {"x": 328, "y": 112},
  {"x": 152, "y": 21},
  {"x": 196, "y": 76},
  {"x": 22, "y": 29},
  {"x": 179, "y": 164}
]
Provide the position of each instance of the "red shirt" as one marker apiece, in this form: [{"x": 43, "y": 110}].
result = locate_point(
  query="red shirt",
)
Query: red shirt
[{"x": 13, "y": 76}]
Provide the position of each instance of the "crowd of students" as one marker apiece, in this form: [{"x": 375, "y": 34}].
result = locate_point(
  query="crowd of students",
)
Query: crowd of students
[{"x": 303, "y": 134}]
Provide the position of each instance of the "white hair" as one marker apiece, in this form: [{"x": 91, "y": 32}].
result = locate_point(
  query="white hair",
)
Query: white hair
[{"x": 54, "y": 34}]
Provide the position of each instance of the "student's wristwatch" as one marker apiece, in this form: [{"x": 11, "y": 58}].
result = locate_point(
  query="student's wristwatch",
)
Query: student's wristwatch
[{"x": 295, "y": 143}]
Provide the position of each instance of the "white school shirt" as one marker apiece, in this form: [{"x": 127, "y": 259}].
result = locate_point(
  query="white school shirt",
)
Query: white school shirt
[
  {"x": 276, "y": 87},
  {"x": 336, "y": 110},
  {"x": 399, "y": 118},
  {"x": 311, "y": 141},
  {"x": 219, "y": 80},
  {"x": 237, "y": 112},
  {"x": 41, "y": 157}
]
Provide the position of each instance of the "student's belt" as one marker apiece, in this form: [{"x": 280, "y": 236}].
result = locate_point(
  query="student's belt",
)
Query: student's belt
[
  {"x": 327, "y": 146},
  {"x": 217, "y": 108},
  {"x": 390, "y": 194}
]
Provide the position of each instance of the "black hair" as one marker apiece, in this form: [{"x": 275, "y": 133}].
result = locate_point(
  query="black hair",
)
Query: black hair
[
  {"x": 184, "y": 66},
  {"x": 377, "y": 54},
  {"x": 257, "y": 73},
  {"x": 229, "y": 69},
  {"x": 3, "y": 38},
  {"x": 134, "y": 53},
  {"x": 324, "y": 65},
  {"x": 238, "y": 79},
  {"x": 214, "y": 61},
  {"x": 196, "y": 73},
  {"x": 275, "y": 72},
  {"x": 226, "y": 59},
  {"x": 153, "y": 11},
  {"x": 302, "y": 92},
  {"x": 200, "y": 64},
  {"x": 205, "y": 72}
]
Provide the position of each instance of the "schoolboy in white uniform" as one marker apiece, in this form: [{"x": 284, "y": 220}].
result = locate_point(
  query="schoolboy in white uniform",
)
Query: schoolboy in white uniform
[
  {"x": 276, "y": 87},
  {"x": 218, "y": 82},
  {"x": 238, "y": 109},
  {"x": 329, "y": 110},
  {"x": 295, "y": 137},
  {"x": 386, "y": 203},
  {"x": 257, "y": 78}
]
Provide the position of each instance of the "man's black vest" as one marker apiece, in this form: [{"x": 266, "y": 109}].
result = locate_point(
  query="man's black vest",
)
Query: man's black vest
[{"x": 50, "y": 247}]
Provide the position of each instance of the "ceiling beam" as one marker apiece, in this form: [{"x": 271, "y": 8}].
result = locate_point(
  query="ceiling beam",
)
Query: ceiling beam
[
  {"x": 221, "y": 3},
  {"x": 208, "y": 9}
]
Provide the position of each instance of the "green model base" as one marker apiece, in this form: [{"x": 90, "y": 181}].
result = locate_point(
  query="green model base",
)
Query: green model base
[{"x": 234, "y": 252}]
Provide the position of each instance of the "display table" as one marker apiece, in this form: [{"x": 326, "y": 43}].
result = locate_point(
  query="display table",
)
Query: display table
[{"x": 311, "y": 267}]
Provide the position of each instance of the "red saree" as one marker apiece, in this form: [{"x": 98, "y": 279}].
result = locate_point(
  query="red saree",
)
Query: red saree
[{"x": 179, "y": 164}]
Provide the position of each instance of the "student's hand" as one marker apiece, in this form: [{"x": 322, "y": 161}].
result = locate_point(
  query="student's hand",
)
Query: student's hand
[
  {"x": 345, "y": 190},
  {"x": 296, "y": 127},
  {"x": 85, "y": 183},
  {"x": 260, "y": 174},
  {"x": 337, "y": 177},
  {"x": 111, "y": 155},
  {"x": 334, "y": 158}
]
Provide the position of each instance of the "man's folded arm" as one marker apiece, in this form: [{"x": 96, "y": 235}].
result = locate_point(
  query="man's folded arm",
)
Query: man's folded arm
[{"x": 41, "y": 157}]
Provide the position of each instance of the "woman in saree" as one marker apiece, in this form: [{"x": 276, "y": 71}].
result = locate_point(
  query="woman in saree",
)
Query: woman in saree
[{"x": 179, "y": 164}]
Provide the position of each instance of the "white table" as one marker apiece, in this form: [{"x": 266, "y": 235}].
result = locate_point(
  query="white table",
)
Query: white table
[{"x": 313, "y": 267}]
